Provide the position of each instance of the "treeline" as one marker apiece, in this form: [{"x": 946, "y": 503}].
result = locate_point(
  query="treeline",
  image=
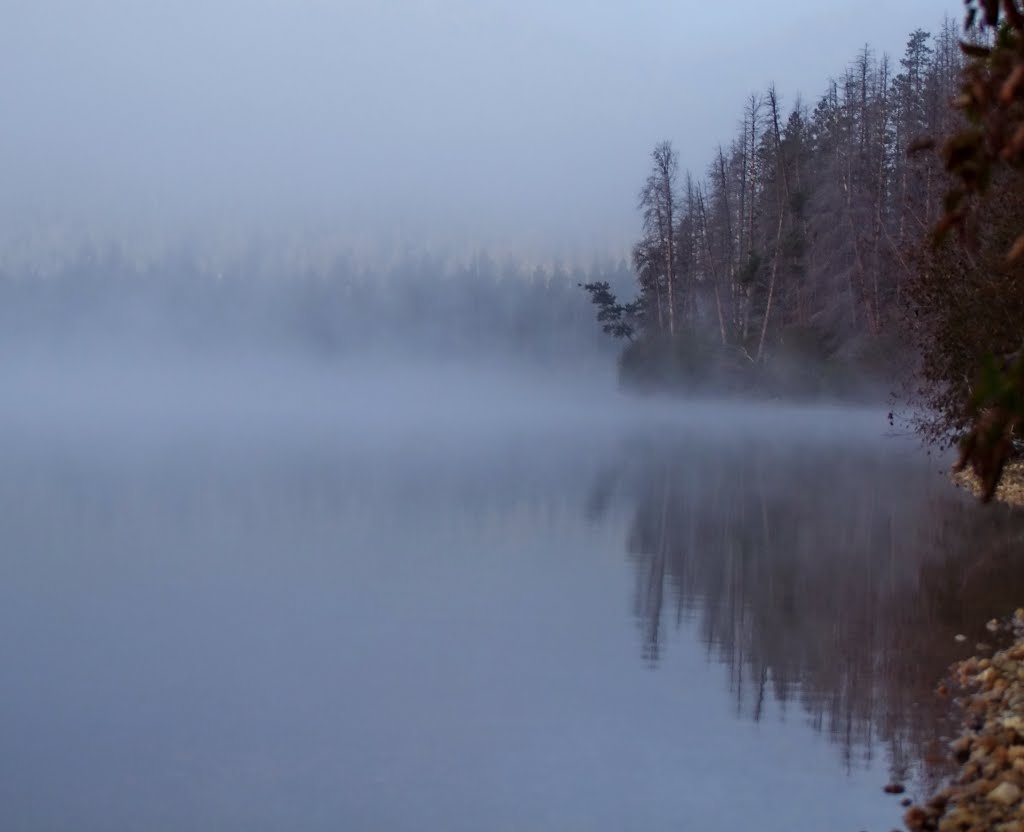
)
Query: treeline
[
  {"x": 785, "y": 264},
  {"x": 105, "y": 299}
]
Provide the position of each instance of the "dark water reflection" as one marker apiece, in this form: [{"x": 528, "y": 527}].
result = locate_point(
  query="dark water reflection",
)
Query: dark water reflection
[
  {"x": 552, "y": 631},
  {"x": 831, "y": 577}
]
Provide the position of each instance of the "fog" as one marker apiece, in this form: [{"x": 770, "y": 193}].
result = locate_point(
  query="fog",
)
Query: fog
[
  {"x": 515, "y": 125},
  {"x": 386, "y": 401},
  {"x": 323, "y": 503},
  {"x": 425, "y": 595}
]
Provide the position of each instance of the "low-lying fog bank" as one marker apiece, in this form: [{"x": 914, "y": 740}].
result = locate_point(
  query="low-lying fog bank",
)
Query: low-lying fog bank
[{"x": 373, "y": 399}]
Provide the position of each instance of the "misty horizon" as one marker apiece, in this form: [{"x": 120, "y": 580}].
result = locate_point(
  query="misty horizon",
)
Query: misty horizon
[
  {"x": 486, "y": 414},
  {"x": 445, "y": 126}
]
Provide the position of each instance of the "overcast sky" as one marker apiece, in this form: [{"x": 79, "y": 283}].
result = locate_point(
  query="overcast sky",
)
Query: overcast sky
[{"x": 516, "y": 125}]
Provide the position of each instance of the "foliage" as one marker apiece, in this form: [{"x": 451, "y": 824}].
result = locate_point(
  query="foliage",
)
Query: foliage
[
  {"x": 989, "y": 148},
  {"x": 964, "y": 305},
  {"x": 618, "y": 320},
  {"x": 992, "y": 100}
]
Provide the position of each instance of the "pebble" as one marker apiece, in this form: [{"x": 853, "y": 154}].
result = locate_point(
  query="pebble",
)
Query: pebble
[
  {"x": 915, "y": 818},
  {"x": 988, "y": 793},
  {"x": 1005, "y": 793}
]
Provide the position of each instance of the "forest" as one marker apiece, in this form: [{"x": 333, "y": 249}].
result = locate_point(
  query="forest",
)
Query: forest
[
  {"x": 800, "y": 263},
  {"x": 109, "y": 299},
  {"x": 799, "y": 260}
]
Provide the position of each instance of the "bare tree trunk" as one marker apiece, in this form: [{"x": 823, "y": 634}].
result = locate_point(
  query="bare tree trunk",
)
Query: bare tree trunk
[
  {"x": 783, "y": 180},
  {"x": 657, "y": 250},
  {"x": 755, "y": 111},
  {"x": 711, "y": 264},
  {"x": 880, "y": 180},
  {"x": 743, "y": 189},
  {"x": 665, "y": 165},
  {"x": 771, "y": 289},
  {"x": 859, "y": 260},
  {"x": 724, "y": 185},
  {"x": 670, "y": 276},
  {"x": 657, "y": 301}
]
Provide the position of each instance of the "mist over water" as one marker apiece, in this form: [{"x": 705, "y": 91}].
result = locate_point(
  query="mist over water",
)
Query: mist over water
[
  {"x": 378, "y": 399},
  {"x": 321, "y": 503},
  {"x": 401, "y": 594}
]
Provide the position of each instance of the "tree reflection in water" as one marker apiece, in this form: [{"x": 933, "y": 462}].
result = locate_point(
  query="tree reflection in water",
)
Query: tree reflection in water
[{"x": 832, "y": 576}]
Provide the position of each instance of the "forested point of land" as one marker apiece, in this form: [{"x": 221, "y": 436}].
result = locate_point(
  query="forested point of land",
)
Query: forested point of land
[{"x": 802, "y": 257}]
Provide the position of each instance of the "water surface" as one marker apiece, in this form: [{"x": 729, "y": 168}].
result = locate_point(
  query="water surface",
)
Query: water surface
[{"x": 704, "y": 617}]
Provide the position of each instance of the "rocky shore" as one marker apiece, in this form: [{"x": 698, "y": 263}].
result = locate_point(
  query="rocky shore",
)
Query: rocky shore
[{"x": 987, "y": 792}]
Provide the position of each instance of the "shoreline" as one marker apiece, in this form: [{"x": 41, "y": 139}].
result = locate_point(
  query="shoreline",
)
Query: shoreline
[
  {"x": 1011, "y": 488},
  {"x": 987, "y": 792}
]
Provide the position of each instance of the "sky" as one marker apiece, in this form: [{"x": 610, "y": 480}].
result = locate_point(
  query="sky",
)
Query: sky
[{"x": 515, "y": 126}]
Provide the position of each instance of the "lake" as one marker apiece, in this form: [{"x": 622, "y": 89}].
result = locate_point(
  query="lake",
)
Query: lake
[{"x": 650, "y": 616}]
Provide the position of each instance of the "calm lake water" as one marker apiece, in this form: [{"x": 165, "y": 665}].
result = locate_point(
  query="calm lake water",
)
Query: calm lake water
[{"x": 703, "y": 619}]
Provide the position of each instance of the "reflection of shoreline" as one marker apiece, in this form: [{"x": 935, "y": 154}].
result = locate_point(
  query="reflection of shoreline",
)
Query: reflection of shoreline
[{"x": 836, "y": 577}]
